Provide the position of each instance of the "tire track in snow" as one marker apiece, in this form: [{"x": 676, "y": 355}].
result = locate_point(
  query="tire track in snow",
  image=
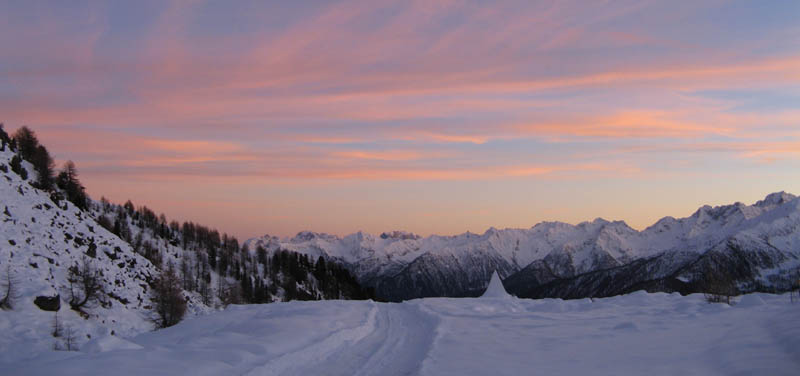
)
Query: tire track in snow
[
  {"x": 290, "y": 363},
  {"x": 394, "y": 340},
  {"x": 403, "y": 342}
]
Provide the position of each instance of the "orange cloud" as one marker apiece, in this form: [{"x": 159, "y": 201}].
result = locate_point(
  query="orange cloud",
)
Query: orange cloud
[
  {"x": 627, "y": 124},
  {"x": 343, "y": 172},
  {"x": 446, "y": 138},
  {"x": 390, "y": 155},
  {"x": 184, "y": 146}
]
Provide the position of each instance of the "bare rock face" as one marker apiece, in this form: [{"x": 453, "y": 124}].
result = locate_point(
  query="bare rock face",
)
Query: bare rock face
[{"x": 48, "y": 303}]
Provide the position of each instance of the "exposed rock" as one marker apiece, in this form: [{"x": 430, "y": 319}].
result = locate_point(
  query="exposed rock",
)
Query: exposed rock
[
  {"x": 92, "y": 250},
  {"x": 48, "y": 303}
]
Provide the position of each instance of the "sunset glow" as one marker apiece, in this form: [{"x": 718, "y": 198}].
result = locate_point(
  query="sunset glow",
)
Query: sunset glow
[{"x": 426, "y": 116}]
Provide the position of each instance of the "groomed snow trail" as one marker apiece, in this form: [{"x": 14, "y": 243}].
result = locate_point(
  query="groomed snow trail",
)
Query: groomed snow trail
[{"x": 394, "y": 338}]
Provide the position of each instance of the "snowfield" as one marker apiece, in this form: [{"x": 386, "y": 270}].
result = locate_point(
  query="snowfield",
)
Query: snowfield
[{"x": 636, "y": 334}]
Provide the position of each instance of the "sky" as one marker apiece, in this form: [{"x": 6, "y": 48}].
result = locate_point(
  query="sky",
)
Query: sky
[{"x": 436, "y": 117}]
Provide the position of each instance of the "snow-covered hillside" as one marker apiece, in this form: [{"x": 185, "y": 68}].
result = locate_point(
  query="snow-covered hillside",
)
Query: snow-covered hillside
[
  {"x": 39, "y": 241},
  {"x": 636, "y": 334},
  {"x": 48, "y": 245},
  {"x": 401, "y": 265}
]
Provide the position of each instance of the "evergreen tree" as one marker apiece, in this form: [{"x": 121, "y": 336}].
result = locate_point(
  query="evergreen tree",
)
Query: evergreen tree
[
  {"x": 16, "y": 166},
  {"x": 212, "y": 257},
  {"x": 289, "y": 288},
  {"x": 44, "y": 165},
  {"x": 27, "y": 143},
  {"x": 31, "y": 150},
  {"x": 68, "y": 181},
  {"x": 121, "y": 228},
  {"x": 4, "y": 139},
  {"x": 247, "y": 289},
  {"x": 261, "y": 253}
]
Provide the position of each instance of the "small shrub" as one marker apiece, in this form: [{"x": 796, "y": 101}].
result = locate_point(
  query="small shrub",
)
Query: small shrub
[
  {"x": 84, "y": 284},
  {"x": 57, "y": 329},
  {"x": 70, "y": 339}
]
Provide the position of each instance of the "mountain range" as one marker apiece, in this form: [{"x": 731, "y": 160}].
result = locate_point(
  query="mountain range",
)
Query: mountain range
[{"x": 757, "y": 246}]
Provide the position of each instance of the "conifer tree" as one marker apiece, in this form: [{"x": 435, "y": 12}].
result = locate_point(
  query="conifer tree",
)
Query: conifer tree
[
  {"x": 68, "y": 181},
  {"x": 29, "y": 148},
  {"x": 4, "y": 139},
  {"x": 16, "y": 166},
  {"x": 27, "y": 142},
  {"x": 44, "y": 165}
]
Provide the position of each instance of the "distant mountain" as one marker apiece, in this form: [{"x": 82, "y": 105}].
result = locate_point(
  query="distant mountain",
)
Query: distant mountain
[{"x": 757, "y": 245}]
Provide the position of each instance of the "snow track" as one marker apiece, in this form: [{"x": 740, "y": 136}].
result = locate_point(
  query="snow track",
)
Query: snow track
[
  {"x": 394, "y": 338},
  {"x": 398, "y": 347}
]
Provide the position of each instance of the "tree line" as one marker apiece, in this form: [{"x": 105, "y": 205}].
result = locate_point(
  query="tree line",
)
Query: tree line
[
  {"x": 26, "y": 146},
  {"x": 243, "y": 275}
]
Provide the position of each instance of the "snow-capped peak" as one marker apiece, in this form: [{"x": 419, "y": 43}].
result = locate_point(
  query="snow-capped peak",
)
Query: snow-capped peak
[
  {"x": 776, "y": 198},
  {"x": 402, "y": 235}
]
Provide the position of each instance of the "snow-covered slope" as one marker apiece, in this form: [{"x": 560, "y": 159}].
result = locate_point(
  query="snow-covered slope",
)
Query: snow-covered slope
[
  {"x": 400, "y": 265},
  {"x": 778, "y": 212},
  {"x": 636, "y": 334},
  {"x": 39, "y": 241}
]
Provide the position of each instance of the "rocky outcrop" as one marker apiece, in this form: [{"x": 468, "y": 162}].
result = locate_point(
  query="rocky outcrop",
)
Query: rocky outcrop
[{"x": 48, "y": 303}]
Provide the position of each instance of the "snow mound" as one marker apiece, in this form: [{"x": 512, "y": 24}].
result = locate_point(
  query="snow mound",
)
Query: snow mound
[
  {"x": 495, "y": 289},
  {"x": 109, "y": 343}
]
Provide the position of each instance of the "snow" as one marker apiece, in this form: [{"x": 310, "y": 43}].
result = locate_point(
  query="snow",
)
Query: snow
[
  {"x": 495, "y": 288},
  {"x": 109, "y": 343},
  {"x": 583, "y": 247},
  {"x": 39, "y": 241},
  {"x": 635, "y": 334}
]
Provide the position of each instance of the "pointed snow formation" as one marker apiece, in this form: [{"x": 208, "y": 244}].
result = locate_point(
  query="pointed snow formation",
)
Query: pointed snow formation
[{"x": 495, "y": 289}]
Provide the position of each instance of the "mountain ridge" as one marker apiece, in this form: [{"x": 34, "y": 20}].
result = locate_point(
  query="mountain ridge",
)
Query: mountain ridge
[
  {"x": 700, "y": 214},
  {"x": 560, "y": 249}
]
